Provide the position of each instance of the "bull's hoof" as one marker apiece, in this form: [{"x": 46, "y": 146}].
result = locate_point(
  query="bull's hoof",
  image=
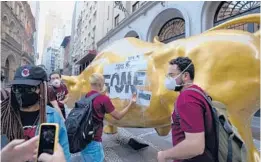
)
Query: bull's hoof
[
  {"x": 110, "y": 129},
  {"x": 163, "y": 131}
]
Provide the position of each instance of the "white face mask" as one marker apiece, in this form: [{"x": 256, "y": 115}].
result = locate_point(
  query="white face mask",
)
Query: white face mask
[
  {"x": 56, "y": 83},
  {"x": 171, "y": 84}
]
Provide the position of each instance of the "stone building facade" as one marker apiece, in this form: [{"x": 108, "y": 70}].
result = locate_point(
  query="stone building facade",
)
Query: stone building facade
[{"x": 17, "y": 29}]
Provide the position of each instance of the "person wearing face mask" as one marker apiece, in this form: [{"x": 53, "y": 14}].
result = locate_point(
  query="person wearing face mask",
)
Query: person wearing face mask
[
  {"x": 193, "y": 133},
  {"x": 101, "y": 105},
  {"x": 58, "y": 93},
  {"x": 24, "y": 108}
]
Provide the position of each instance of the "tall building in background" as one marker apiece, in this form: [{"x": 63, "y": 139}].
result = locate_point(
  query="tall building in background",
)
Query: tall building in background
[
  {"x": 17, "y": 31},
  {"x": 65, "y": 52},
  {"x": 53, "y": 56},
  {"x": 84, "y": 35},
  {"x": 52, "y": 20},
  {"x": 35, "y": 7}
]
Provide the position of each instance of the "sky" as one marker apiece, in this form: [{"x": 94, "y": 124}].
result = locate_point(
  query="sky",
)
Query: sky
[{"x": 65, "y": 8}]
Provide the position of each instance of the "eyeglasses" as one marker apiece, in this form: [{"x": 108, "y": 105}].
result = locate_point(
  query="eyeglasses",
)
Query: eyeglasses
[
  {"x": 169, "y": 75},
  {"x": 24, "y": 89}
]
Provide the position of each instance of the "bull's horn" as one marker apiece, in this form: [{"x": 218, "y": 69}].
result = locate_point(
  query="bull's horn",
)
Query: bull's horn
[
  {"x": 156, "y": 40},
  {"x": 257, "y": 33},
  {"x": 252, "y": 18},
  {"x": 68, "y": 79}
]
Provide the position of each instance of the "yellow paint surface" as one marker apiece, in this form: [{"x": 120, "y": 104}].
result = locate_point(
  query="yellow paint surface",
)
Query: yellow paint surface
[{"x": 227, "y": 67}]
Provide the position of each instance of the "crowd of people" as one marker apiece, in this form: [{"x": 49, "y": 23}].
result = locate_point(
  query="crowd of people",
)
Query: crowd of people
[{"x": 33, "y": 100}]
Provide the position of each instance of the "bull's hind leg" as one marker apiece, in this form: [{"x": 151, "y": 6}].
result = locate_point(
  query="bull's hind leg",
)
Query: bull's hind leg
[
  {"x": 110, "y": 129},
  {"x": 163, "y": 131},
  {"x": 243, "y": 124}
]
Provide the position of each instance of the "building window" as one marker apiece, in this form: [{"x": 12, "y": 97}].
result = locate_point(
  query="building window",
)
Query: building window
[
  {"x": 116, "y": 20},
  {"x": 172, "y": 30},
  {"x": 135, "y": 6},
  {"x": 228, "y": 10}
]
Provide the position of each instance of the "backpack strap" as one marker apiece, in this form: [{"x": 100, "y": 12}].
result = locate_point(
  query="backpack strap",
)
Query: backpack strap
[
  {"x": 202, "y": 94},
  {"x": 85, "y": 99}
]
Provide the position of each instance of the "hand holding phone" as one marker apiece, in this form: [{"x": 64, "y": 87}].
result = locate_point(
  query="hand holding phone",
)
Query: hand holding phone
[
  {"x": 48, "y": 138},
  {"x": 20, "y": 150}
]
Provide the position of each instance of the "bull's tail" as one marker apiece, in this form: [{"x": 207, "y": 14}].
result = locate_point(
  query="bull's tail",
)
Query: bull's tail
[{"x": 252, "y": 18}]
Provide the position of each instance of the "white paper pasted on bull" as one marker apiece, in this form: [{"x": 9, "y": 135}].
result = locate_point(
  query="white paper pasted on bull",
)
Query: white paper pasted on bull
[
  {"x": 143, "y": 98},
  {"x": 122, "y": 78}
]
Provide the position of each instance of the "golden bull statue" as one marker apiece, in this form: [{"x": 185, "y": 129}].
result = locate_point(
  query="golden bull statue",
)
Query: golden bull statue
[{"x": 227, "y": 67}]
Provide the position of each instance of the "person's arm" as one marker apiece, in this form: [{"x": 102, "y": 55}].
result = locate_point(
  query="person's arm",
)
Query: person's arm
[
  {"x": 193, "y": 145},
  {"x": 56, "y": 106},
  {"x": 20, "y": 150},
  {"x": 118, "y": 115},
  {"x": 192, "y": 123},
  {"x": 64, "y": 101}
]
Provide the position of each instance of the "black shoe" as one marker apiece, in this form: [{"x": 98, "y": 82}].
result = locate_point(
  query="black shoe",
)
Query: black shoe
[{"x": 136, "y": 145}]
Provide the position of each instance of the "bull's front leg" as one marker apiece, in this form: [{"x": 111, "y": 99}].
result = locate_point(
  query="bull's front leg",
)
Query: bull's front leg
[
  {"x": 163, "y": 131},
  {"x": 110, "y": 129}
]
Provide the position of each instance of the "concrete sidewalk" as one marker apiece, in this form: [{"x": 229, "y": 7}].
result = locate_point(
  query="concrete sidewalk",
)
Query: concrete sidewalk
[{"x": 116, "y": 146}]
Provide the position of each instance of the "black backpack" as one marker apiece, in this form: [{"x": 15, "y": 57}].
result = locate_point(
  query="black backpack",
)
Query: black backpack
[{"x": 79, "y": 124}]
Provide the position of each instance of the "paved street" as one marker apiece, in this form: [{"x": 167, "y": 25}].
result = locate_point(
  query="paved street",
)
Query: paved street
[{"x": 116, "y": 146}]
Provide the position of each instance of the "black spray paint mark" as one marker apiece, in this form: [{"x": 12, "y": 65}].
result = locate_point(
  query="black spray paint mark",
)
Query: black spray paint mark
[
  {"x": 144, "y": 96},
  {"x": 125, "y": 81}
]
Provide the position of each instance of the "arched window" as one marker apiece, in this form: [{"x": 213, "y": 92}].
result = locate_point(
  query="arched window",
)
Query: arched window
[
  {"x": 172, "y": 30},
  {"x": 228, "y": 10}
]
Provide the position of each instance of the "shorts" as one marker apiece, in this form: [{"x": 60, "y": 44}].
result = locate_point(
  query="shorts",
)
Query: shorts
[{"x": 93, "y": 152}]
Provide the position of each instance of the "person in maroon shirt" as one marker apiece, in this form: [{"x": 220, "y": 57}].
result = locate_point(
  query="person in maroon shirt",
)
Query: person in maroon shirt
[
  {"x": 101, "y": 105},
  {"x": 58, "y": 93},
  {"x": 193, "y": 132}
]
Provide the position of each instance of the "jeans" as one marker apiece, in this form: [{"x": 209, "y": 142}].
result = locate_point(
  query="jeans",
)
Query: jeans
[{"x": 93, "y": 152}]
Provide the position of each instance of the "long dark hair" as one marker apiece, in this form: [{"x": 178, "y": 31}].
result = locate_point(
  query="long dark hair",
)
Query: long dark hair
[{"x": 11, "y": 124}]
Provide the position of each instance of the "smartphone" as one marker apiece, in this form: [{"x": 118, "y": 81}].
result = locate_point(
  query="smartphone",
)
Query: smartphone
[{"x": 48, "y": 138}]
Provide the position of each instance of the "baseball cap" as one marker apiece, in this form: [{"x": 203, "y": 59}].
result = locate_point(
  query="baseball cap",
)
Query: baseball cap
[{"x": 29, "y": 75}]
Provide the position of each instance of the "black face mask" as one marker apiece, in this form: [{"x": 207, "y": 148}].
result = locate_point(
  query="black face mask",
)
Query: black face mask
[
  {"x": 178, "y": 88},
  {"x": 26, "y": 99}
]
